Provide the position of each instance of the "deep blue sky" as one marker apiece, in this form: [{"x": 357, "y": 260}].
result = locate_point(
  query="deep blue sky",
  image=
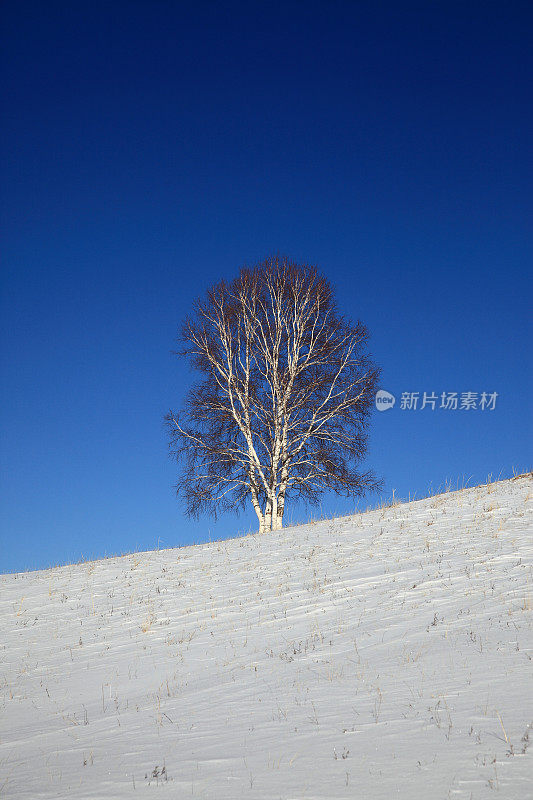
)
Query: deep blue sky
[{"x": 151, "y": 148}]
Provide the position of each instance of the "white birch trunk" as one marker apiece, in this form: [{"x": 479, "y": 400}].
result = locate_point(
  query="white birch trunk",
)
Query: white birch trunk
[
  {"x": 260, "y": 515},
  {"x": 268, "y": 515}
]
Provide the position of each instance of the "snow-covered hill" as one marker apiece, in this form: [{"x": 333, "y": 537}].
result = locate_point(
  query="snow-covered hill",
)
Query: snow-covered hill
[{"x": 386, "y": 654}]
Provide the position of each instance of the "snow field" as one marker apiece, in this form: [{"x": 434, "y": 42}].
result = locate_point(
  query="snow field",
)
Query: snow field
[{"x": 384, "y": 654}]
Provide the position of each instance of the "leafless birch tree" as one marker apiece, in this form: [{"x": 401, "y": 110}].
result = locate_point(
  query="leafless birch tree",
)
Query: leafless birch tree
[{"x": 284, "y": 399}]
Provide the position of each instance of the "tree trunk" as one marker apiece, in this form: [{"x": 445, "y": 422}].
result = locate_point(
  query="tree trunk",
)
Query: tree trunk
[
  {"x": 257, "y": 509},
  {"x": 261, "y": 518},
  {"x": 280, "y": 504},
  {"x": 267, "y": 525},
  {"x": 274, "y": 511}
]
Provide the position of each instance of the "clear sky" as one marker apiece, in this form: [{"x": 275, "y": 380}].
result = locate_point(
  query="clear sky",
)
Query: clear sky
[{"x": 151, "y": 148}]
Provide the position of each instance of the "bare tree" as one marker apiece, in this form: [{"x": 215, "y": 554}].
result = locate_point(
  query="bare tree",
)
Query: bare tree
[{"x": 286, "y": 391}]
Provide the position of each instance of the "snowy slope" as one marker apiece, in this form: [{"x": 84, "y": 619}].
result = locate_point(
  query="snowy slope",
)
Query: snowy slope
[{"x": 386, "y": 654}]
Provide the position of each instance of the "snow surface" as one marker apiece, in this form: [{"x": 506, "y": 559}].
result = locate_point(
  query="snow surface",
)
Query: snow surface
[{"x": 385, "y": 654}]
